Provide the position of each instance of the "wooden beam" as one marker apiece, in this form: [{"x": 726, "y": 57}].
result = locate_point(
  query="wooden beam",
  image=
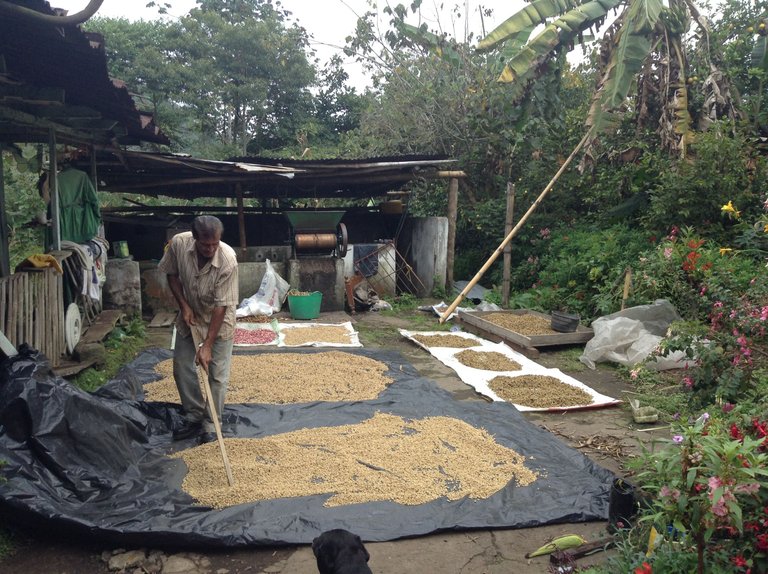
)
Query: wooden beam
[
  {"x": 53, "y": 181},
  {"x": 241, "y": 216},
  {"x": 24, "y": 119},
  {"x": 453, "y": 205}
]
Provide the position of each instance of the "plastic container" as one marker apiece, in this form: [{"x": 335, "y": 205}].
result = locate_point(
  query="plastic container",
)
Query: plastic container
[
  {"x": 120, "y": 249},
  {"x": 622, "y": 505},
  {"x": 305, "y": 306},
  {"x": 564, "y": 322}
]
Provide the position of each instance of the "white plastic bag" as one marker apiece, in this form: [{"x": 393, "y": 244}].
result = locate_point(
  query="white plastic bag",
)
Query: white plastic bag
[
  {"x": 270, "y": 296},
  {"x": 630, "y": 336}
]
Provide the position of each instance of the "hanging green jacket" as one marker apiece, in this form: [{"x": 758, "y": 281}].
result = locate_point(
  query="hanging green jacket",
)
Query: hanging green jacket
[{"x": 79, "y": 212}]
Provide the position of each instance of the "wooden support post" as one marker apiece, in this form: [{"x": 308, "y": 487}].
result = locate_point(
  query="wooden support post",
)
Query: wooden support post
[
  {"x": 241, "y": 216},
  {"x": 453, "y": 206},
  {"x": 505, "y": 279},
  {"x": 627, "y": 287},
  {"x": 54, "y": 186}
]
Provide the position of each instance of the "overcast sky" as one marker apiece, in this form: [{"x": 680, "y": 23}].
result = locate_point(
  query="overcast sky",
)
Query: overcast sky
[{"x": 329, "y": 22}]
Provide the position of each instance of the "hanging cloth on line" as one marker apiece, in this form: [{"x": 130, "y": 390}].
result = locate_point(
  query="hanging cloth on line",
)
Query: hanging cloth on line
[{"x": 79, "y": 212}]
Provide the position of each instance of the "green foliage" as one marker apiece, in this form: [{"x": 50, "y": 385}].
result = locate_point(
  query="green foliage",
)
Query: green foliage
[
  {"x": 122, "y": 346},
  {"x": 692, "y": 192},
  {"x": 438, "y": 290},
  {"x": 233, "y": 78},
  {"x": 8, "y": 543},
  {"x": 22, "y": 204},
  {"x": 580, "y": 268},
  {"x": 709, "y": 485},
  {"x": 404, "y": 302}
]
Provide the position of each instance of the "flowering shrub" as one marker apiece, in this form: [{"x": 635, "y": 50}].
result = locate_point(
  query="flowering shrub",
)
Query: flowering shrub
[{"x": 710, "y": 485}]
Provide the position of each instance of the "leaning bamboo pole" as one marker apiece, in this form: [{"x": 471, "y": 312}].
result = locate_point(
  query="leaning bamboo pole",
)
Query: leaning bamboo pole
[{"x": 500, "y": 249}]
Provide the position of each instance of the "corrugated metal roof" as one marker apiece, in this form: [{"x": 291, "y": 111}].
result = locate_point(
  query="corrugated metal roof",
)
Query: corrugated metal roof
[
  {"x": 184, "y": 177},
  {"x": 52, "y": 76}
]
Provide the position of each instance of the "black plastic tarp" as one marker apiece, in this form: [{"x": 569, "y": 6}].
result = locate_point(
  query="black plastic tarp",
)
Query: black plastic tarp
[{"x": 96, "y": 464}]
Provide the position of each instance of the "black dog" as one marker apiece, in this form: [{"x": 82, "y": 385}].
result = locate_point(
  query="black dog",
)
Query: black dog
[{"x": 340, "y": 552}]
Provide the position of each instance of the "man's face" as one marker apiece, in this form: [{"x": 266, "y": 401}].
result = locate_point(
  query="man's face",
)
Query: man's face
[{"x": 207, "y": 245}]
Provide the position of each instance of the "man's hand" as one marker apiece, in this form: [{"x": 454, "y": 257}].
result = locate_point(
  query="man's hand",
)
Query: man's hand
[
  {"x": 203, "y": 356},
  {"x": 188, "y": 315}
]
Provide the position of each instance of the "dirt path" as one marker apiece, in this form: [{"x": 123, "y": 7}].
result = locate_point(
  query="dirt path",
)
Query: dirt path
[{"x": 607, "y": 436}]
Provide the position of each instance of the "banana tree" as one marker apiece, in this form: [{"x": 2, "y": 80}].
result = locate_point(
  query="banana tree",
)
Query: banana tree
[{"x": 642, "y": 49}]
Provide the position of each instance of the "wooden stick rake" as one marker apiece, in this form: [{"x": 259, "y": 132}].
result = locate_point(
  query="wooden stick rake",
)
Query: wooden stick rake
[{"x": 203, "y": 376}]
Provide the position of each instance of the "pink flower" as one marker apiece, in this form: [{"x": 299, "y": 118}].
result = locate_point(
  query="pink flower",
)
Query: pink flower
[
  {"x": 633, "y": 374},
  {"x": 667, "y": 252},
  {"x": 719, "y": 508},
  {"x": 751, "y": 488},
  {"x": 728, "y": 407},
  {"x": 714, "y": 482},
  {"x": 677, "y": 439},
  {"x": 667, "y": 492},
  {"x": 688, "y": 382}
]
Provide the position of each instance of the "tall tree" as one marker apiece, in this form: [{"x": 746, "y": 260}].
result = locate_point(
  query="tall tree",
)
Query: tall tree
[{"x": 245, "y": 73}]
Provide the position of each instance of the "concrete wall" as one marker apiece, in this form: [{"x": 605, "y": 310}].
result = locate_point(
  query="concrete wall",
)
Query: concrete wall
[
  {"x": 324, "y": 274},
  {"x": 122, "y": 288},
  {"x": 428, "y": 250},
  {"x": 157, "y": 295}
]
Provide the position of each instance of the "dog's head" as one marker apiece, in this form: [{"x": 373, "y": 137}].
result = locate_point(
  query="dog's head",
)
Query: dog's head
[{"x": 340, "y": 551}]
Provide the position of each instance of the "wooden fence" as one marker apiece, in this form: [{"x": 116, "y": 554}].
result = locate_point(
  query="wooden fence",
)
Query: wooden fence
[{"x": 32, "y": 311}]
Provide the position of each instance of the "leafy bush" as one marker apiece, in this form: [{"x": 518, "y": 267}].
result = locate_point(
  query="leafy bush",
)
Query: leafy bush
[
  {"x": 692, "y": 192},
  {"x": 581, "y": 269},
  {"x": 709, "y": 485}
]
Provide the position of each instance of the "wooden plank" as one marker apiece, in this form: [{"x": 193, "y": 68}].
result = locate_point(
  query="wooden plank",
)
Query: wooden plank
[
  {"x": 163, "y": 319},
  {"x": 530, "y": 352},
  {"x": 103, "y": 326},
  {"x": 11, "y": 326},
  {"x": 34, "y": 279},
  {"x": 6, "y": 348},
  {"x": 27, "y": 311},
  {"x": 58, "y": 288},
  {"x": 581, "y": 335},
  {"x": 3, "y": 303},
  {"x": 20, "y": 324},
  {"x": 67, "y": 368}
]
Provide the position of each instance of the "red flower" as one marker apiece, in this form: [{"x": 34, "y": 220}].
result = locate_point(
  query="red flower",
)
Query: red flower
[
  {"x": 762, "y": 542},
  {"x": 645, "y": 568},
  {"x": 693, "y": 244},
  {"x": 739, "y": 561},
  {"x": 735, "y": 432}
]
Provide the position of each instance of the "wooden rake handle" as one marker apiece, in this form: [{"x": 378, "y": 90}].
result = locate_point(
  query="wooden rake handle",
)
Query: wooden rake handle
[{"x": 202, "y": 375}]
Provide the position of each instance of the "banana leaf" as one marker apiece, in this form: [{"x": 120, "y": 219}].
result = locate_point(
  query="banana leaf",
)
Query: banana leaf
[
  {"x": 531, "y": 16},
  {"x": 537, "y": 13}
]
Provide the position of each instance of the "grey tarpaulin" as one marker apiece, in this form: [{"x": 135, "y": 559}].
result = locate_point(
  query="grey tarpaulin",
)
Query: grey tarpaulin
[{"x": 96, "y": 464}]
